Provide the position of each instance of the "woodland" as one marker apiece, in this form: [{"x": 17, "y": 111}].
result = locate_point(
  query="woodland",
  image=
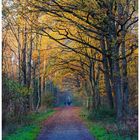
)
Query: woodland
[{"x": 88, "y": 47}]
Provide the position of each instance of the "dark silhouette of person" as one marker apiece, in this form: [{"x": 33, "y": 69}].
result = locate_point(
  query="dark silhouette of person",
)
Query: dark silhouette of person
[
  {"x": 65, "y": 103},
  {"x": 69, "y": 103}
]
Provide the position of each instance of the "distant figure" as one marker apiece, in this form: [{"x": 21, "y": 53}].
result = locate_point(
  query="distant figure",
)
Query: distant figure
[
  {"x": 69, "y": 103},
  {"x": 65, "y": 103}
]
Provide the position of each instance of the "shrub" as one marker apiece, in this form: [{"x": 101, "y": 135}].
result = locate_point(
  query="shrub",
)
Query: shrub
[
  {"x": 48, "y": 100},
  {"x": 14, "y": 101},
  {"x": 126, "y": 127},
  {"x": 30, "y": 130},
  {"x": 101, "y": 113}
]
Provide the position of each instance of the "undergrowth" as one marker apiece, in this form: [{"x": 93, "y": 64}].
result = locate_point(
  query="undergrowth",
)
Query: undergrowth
[
  {"x": 31, "y": 129},
  {"x": 98, "y": 121}
]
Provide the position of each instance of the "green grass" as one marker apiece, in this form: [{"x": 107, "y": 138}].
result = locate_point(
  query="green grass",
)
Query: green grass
[
  {"x": 100, "y": 133},
  {"x": 97, "y": 129},
  {"x": 30, "y": 131}
]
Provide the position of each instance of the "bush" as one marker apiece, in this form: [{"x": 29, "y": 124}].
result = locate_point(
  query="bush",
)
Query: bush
[
  {"x": 110, "y": 132},
  {"x": 77, "y": 101},
  {"x": 14, "y": 101},
  {"x": 48, "y": 100},
  {"x": 101, "y": 113},
  {"x": 31, "y": 129},
  {"x": 103, "y": 126}
]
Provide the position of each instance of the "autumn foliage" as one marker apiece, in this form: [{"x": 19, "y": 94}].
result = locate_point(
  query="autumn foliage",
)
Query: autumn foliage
[{"x": 87, "y": 47}]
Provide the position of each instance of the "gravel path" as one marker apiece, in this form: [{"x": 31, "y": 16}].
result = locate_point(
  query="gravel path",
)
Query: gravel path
[{"x": 65, "y": 125}]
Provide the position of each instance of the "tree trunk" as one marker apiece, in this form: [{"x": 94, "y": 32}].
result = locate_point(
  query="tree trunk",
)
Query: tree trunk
[
  {"x": 39, "y": 80},
  {"x": 44, "y": 78},
  {"x": 106, "y": 76},
  {"x": 92, "y": 84},
  {"x": 19, "y": 59},
  {"x": 114, "y": 48},
  {"x": 29, "y": 61},
  {"x": 24, "y": 56},
  {"x": 125, "y": 88},
  {"x": 117, "y": 83},
  {"x": 34, "y": 87},
  {"x": 96, "y": 87}
]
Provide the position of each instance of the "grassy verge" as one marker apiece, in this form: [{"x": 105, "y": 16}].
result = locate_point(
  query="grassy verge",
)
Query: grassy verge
[
  {"x": 31, "y": 130},
  {"x": 98, "y": 130}
]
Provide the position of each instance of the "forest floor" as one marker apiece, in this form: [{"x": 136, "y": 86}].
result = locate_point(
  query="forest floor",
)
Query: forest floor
[
  {"x": 30, "y": 127},
  {"x": 65, "y": 124}
]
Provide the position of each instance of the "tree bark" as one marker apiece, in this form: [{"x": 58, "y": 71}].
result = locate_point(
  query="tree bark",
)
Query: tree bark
[
  {"x": 19, "y": 57},
  {"x": 106, "y": 76},
  {"x": 39, "y": 79},
  {"x": 29, "y": 61},
  {"x": 125, "y": 88},
  {"x": 117, "y": 83},
  {"x": 24, "y": 56}
]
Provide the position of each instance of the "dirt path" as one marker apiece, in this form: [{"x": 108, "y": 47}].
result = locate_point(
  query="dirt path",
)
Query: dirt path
[{"x": 65, "y": 125}]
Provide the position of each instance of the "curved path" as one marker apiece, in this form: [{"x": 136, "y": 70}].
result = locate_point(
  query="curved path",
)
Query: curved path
[{"x": 65, "y": 125}]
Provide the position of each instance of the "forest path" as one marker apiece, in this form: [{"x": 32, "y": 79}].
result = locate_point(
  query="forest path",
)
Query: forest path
[{"x": 65, "y": 125}]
